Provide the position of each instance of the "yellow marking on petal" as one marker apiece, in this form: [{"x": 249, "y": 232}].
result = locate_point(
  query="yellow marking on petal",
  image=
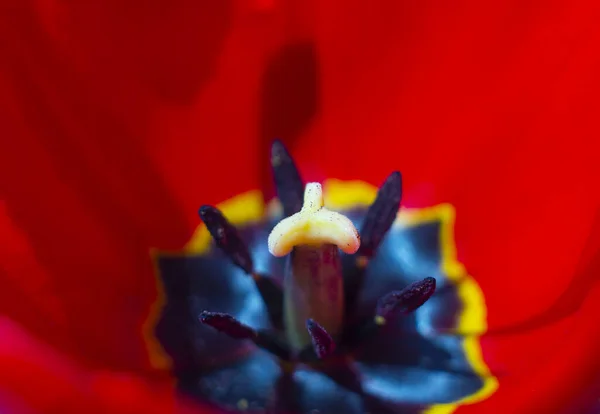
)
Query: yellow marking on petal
[
  {"x": 342, "y": 195},
  {"x": 313, "y": 225},
  {"x": 242, "y": 404}
]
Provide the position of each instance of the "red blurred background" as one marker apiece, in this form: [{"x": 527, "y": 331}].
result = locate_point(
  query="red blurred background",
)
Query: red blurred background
[{"x": 120, "y": 118}]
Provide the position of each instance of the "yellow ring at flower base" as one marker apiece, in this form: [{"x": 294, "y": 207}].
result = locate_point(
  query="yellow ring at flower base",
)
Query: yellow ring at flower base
[{"x": 250, "y": 208}]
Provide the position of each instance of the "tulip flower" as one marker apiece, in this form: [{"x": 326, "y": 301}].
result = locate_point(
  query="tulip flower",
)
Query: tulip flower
[
  {"x": 323, "y": 316},
  {"x": 147, "y": 266}
]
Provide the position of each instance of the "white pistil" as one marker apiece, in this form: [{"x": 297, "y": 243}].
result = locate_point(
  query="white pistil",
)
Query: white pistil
[
  {"x": 314, "y": 225},
  {"x": 313, "y": 285}
]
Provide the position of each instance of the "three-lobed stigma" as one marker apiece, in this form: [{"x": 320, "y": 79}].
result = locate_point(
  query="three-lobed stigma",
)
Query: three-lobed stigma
[{"x": 313, "y": 225}]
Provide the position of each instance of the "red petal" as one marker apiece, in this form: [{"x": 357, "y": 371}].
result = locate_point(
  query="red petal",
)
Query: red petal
[
  {"x": 49, "y": 383},
  {"x": 116, "y": 138},
  {"x": 490, "y": 107},
  {"x": 27, "y": 291}
]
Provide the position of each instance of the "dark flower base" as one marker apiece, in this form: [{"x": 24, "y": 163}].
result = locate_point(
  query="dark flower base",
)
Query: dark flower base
[{"x": 404, "y": 367}]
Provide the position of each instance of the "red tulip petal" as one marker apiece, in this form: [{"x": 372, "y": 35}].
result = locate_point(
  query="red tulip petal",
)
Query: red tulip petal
[
  {"x": 492, "y": 108},
  {"x": 488, "y": 106},
  {"x": 47, "y": 382},
  {"x": 27, "y": 291},
  {"x": 114, "y": 145}
]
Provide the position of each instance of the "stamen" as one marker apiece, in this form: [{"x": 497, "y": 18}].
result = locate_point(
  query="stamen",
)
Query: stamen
[
  {"x": 322, "y": 342},
  {"x": 227, "y": 324},
  {"x": 403, "y": 301},
  {"x": 314, "y": 225},
  {"x": 379, "y": 219},
  {"x": 288, "y": 183},
  {"x": 228, "y": 239},
  {"x": 406, "y": 300},
  {"x": 380, "y": 216},
  {"x": 230, "y": 326}
]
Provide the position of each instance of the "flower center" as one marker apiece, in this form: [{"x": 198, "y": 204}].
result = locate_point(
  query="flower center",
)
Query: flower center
[
  {"x": 312, "y": 313},
  {"x": 313, "y": 285}
]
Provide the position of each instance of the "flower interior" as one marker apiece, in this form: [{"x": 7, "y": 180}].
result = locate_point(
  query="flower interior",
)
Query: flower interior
[
  {"x": 313, "y": 308},
  {"x": 336, "y": 330}
]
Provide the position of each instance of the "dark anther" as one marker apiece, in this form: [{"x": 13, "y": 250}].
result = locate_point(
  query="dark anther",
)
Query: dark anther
[
  {"x": 226, "y": 237},
  {"x": 381, "y": 215},
  {"x": 402, "y": 301},
  {"x": 379, "y": 219},
  {"x": 322, "y": 342},
  {"x": 228, "y": 325},
  {"x": 288, "y": 182},
  {"x": 406, "y": 300}
]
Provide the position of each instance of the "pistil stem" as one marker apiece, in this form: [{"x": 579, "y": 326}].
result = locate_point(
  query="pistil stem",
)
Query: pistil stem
[{"x": 313, "y": 289}]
